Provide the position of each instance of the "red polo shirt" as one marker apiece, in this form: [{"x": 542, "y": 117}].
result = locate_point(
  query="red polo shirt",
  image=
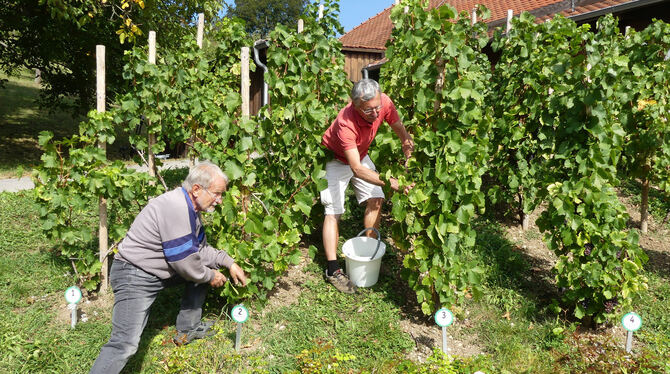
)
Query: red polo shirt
[{"x": 349, "y": 130}]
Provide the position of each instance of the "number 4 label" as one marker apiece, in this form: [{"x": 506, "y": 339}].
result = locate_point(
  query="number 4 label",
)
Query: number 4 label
[
  {"x": 631, "y": 321},
  {"x": 239, "y": 313},
  {"x": 444, "y": 317}
]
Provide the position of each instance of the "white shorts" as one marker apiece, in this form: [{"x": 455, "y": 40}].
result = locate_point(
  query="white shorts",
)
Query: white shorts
[{"x": 338, "y": 175}]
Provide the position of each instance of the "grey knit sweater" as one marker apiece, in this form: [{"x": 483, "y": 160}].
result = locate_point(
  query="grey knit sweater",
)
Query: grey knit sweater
[{"x": 168, "y": 238}]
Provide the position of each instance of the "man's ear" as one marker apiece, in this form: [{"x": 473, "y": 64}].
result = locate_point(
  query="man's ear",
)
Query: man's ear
[{"x": 195, "y": 188}]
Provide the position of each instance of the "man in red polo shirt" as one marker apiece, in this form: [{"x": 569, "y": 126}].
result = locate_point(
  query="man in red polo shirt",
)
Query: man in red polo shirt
[{"x": 349, "y": 137}]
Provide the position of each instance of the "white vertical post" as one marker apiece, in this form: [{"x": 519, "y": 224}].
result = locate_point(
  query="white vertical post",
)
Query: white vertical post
[
  {"x": 397, "y": 2},
  {"x": 629, "y": 341},
  {"x": 151, "y": 137},
  {"x": 510, "y": 13},
  {"x": 201, "y": 28},
  {"x": 474, "y": 16},
  {"x": 100, "y": 77},
  {"x": 301, "y": 25},
  {"x": 320, "y": 11},
  {"x": 238, "y": 337},
  {"x": 152, "y": 47},
  {"x": 244, "y": 56},
  {"x": 406, "y": 9},
  {"x": 102, "y": 202},
  {"x": 38, "y": 76},
  {"x": 627, "y": 32}
]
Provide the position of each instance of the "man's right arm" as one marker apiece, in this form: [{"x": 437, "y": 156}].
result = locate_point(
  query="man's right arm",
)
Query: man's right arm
[{"x": 362, "y": 172}]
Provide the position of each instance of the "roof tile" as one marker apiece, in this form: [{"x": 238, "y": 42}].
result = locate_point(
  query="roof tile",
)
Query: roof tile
[{"x": 373, "y": 33}]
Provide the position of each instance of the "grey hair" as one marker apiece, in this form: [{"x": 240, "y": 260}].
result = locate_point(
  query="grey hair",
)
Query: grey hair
[
  {"x": 365, "y": 90},
  {"x": 203, "y": 173}
]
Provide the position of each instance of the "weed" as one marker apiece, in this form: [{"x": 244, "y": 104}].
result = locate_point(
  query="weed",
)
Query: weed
[{"x": 323, "y": 358}]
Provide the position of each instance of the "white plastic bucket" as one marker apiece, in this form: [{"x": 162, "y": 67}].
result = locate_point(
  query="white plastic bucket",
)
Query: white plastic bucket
[{"x": 362, "y": 269}]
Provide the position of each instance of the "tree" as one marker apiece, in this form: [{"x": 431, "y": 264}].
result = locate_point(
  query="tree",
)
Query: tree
[
  {"x": 59, "y": 38},
  {"x": 63, "y": 50},
  {"x": 261, "y": 16}
]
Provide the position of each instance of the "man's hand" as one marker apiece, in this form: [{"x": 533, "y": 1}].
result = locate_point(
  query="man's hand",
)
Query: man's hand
[
  {"x": 394, "y": 186},
  {"x": 219, "y": 279},
  {"x": 407, "y": 148},
  {"x": 237, "y": 275}
]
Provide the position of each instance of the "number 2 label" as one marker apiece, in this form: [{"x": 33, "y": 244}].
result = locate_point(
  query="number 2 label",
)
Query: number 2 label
[{"x": 239, "y": 313}]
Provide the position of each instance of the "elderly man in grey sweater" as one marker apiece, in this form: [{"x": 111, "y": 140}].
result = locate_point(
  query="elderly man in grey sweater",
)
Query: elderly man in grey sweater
[{"x": 166, "y": 246}]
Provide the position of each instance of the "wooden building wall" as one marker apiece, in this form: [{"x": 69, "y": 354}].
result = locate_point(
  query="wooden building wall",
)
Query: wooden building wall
[{"x": 354, "y": 61}]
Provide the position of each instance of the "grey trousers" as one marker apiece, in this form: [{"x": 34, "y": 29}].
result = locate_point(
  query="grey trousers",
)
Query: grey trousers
[{"x": 134, "y": 292}]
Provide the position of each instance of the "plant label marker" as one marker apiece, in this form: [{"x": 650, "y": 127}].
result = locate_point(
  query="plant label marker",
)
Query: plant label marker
[
  {"x": 73, "y": 296},
  {"x": 631, "y": 322},
  {"x": 240, "y": 315},
  {"x": 444, "y": 318}
]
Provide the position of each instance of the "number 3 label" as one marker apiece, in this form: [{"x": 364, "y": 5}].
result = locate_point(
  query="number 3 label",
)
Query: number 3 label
[
  {"x": 239, "y": 313},
  {"x": 631, "y": 321},
  {"x": 443, "y": 317}
]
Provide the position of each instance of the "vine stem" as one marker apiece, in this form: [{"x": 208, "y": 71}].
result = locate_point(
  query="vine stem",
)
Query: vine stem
[
  {"x": 160, "y": 177},
  {"x": 294, "y": 193},
  {"x": 260, "y": 201},
  {"x": 111, "y": 249},
  {"x": 74, "y": 267}
]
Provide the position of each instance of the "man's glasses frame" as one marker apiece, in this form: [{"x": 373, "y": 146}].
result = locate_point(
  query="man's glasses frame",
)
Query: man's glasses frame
[
  {"x": 370, "y": 110},
  {"x": 218, "y": 196}
]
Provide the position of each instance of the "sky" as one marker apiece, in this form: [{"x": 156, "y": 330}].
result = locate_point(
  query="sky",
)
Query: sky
[{"x": 355, "y": 12}]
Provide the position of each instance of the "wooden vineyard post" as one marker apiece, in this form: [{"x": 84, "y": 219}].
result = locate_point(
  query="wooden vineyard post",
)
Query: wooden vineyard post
[
  {"x": 102, "y": 202},
  {"x": 510, "y": 13},
  {"x": 244, "y": 57},
  {"x": 151, "y": 137},
  {"x": 525, "y": 220},
  {"x": 201, "y": 29},
  {"x": 301, "y": 25},
  {"x": 199, "y": 37},
  {"x": 644, "y": 205}
]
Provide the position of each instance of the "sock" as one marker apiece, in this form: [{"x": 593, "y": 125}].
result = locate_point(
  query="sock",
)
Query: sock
[{"x": 333, "y": 266}]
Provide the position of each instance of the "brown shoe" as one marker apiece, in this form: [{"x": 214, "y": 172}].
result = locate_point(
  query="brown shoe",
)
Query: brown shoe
[{"x": 341, "y": 281}]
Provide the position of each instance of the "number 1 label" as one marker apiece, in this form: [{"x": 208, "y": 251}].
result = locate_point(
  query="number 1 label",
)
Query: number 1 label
[{"x": 73, "y": 295}]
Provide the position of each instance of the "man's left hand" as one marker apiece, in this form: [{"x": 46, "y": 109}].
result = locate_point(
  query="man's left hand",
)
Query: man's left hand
[
  {"x": 407, "y": 148},
  {"x": 237, "y": 275}
]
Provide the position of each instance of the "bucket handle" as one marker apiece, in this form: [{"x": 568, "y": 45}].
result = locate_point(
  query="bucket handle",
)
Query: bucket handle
[{"x": 379, "y": 239}]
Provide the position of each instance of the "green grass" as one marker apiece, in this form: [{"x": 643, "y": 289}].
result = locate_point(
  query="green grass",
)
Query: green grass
[
  {"x": 512, "y": 324},
  {"x": 364, "y": 325},
  {"x": 21, "y": 121}
]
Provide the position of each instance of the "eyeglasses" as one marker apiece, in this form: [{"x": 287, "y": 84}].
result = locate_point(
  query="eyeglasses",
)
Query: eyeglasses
[
  {"x": 215, "y": 196},
  {"x": 370, "y": 110}
]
